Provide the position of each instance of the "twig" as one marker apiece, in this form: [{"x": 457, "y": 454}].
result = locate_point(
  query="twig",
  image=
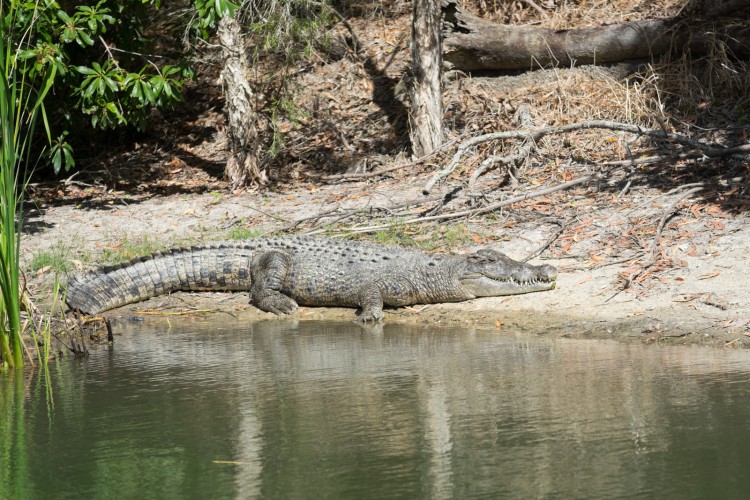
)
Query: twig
[
  {"x": 650, "y": 259},
  {"x": 110, "y": 334},
  {"x": 547, "y": 243},
  {"x": 318, "y": 216},
  {"x": 652, "y": 200},
  {"x": 515, "y": 159},
  {"x": 532, "y": 4},
  {"x": 345, "y": 23},
  {"x": 145, "y": 56},
  {"x": 667, "y": 215},
  {"x": 356, "y": 211},
  {"x": 630, "y": 174},
  {"x": 623, "y": 260}
]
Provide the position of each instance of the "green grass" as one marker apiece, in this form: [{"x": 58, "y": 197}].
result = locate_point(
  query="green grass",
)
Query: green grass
[
  {"x": 129, "y": 247},
  {"x": 395, "y": 235},
  {"x": 426, "y": 238},
  {"x": 243, "y": 233},
  {"x": 57, "y": 259}
]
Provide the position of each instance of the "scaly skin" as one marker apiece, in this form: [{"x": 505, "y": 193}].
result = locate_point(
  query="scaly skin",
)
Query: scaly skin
[{"x": 282, "y": 273}]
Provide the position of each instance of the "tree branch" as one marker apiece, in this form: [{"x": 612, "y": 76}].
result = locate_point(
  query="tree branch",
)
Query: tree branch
[{"x": 535, "y": 135}]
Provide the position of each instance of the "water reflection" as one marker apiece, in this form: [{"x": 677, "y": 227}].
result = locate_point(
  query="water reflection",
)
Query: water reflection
[{"x": 311, "y": 410}]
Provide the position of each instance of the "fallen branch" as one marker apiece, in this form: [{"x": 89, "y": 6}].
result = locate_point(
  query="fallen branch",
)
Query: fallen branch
[
  {"x": 512, "y": 160},
  {"x": 535, "y": 135},
  {"x": 340, "y": 215},
  {"x": 471, "y": 43},
  {"x": 660, "y": 228},
  {"x": 704, "y": 154},
  {"x": 486, "y": 209}
]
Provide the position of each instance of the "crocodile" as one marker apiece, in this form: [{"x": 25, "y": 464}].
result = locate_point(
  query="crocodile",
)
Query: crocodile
[{"x": 281, "y": 273}]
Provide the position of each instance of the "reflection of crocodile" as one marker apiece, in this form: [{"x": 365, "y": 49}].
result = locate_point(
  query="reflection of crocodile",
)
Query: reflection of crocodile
[{"x": 280, "y": 273}]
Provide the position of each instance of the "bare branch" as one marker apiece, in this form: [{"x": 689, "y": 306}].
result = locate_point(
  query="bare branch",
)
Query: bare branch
[
  {"x": 486, "y": 209},
  {"x": 536, "y": 135}
]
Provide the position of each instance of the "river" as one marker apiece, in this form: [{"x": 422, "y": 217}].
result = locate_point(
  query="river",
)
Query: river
[{"x": 298, "y": 410}]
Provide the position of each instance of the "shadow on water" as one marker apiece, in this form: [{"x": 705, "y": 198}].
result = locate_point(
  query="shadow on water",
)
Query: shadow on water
[{"x": 287, "y": 409}]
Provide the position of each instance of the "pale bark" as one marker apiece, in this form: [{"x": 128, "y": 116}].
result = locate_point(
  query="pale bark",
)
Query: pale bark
[
  {"x": 426, "y": 111},
  {"x": 242, "y": 159},
  {"x": 471, "y": 43}
]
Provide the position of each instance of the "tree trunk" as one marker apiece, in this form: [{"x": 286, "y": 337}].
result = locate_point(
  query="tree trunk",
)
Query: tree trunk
[
  {"x": 426, "y": 111},
  {"x": 471, "y": 43},
  {"x": 242, "y": 159}
]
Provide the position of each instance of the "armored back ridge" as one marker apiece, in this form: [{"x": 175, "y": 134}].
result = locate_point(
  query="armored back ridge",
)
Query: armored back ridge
[{"x": 280, "y": 273}]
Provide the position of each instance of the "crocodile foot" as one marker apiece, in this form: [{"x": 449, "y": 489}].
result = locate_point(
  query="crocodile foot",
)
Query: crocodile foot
[
  {"x": 370, "y": 314},
  {"x": 275, "y": 302}
]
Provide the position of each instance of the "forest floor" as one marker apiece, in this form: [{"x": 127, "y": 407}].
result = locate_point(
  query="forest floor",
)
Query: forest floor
[{"x": 654, "y": 252}]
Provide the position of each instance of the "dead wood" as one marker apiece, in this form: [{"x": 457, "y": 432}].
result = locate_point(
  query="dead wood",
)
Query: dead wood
[
  {"x": 488, "y": 208},
  {"x": 471, "y": 43},
  {"x": 338, "y": 214},
  {"x": 533, "y": 137}
]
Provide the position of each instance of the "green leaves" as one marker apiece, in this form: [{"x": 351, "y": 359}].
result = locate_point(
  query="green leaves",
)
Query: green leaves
[
  {"x": 100, "y": 82},
  {"x": 85, "y": 24},
  {"x": 210, "y": 11},
  {"x": 96, "y": 18},
  {"x": 61, "y": 154},
  {"x": 114, "y": 97},
  {"x": 92, "y": 52}
]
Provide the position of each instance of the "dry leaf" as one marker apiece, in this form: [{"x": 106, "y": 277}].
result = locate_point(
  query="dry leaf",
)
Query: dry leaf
[{"x": 695, "y": 210}]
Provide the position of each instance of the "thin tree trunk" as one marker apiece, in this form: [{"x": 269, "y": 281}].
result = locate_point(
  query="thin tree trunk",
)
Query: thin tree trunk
[
  {"x": 242, "y": 160},
  {"x": 426, "y": 112}
]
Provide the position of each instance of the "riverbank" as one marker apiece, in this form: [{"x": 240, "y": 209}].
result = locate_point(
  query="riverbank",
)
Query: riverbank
[{"x": 702, "y": 297}]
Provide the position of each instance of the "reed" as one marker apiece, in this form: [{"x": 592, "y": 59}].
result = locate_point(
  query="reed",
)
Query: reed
[{"x": 21, "y": 102}]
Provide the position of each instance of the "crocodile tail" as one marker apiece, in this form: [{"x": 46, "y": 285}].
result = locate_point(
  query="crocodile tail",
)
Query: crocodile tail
[{"x": 217, "y": 267}]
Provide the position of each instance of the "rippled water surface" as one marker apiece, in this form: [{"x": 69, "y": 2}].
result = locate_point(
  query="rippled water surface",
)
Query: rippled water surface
[{"x": 319, "y": 410}]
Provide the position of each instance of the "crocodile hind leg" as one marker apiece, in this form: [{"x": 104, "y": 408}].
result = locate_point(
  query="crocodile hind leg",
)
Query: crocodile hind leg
[{"x": 268, "y": 272}]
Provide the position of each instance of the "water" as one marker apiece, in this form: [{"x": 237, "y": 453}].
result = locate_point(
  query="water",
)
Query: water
[{"x": 319, "y": 410}]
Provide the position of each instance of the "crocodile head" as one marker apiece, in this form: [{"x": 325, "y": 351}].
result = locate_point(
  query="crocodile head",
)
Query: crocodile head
[{"x": 488, "y": 273}]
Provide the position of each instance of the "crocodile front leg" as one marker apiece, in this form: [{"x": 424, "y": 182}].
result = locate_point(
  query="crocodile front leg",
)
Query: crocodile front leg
[
  {"x": 370, "y": 303},
  {"x": 268, "y": 271},
  {"x": 391, "y": 291}
]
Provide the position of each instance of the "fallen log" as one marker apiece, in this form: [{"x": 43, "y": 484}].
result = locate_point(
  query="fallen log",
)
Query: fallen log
[{"x": 471, "y": 43}]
